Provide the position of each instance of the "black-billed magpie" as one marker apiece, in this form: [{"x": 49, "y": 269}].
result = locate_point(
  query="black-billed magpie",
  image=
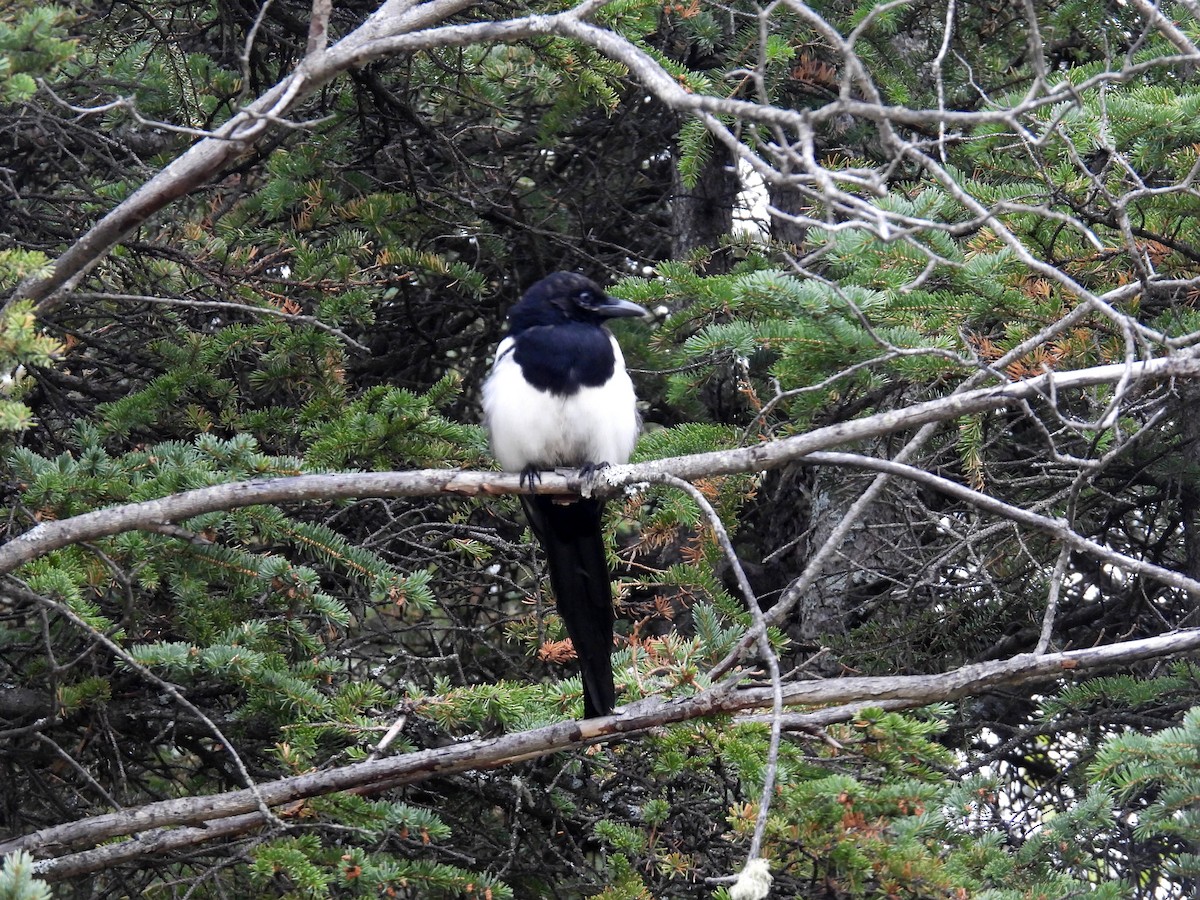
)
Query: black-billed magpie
[{"x": 559, "y": 395}]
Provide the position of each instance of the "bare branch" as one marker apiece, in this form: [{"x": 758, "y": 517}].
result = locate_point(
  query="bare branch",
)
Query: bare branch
[
  {"x": 151, "y": 514},
  {"x": 318, "y": 26},
  {"x": 1167, "y": 28},
  {"x": 402, "y": 26},
  {"x": 237, "y": 811},
  {"x": 394, "y": 28},
  {"x": 1057, "y": 528},
  {"x": 765, "y": 651},
  {"x": 171, "y": 690}
]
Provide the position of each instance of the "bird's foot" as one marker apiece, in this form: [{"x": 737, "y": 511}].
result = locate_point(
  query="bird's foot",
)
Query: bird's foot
[
  {"x": 587, "y": 476},
  {"x": 531, "y": 477},
  {"x": 589, "y": 470}
]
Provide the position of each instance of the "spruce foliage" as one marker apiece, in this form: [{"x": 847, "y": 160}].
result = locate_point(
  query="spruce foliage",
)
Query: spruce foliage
[
  {"x": 17, "y": 881},
  {"x": 330, "y": 304}
]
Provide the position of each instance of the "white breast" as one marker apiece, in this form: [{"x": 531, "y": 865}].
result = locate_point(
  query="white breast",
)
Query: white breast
[{"x": 528, "y": 426}]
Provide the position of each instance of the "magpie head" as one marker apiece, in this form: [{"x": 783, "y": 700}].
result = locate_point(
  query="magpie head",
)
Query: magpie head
[{"x": 566, "y": 297}]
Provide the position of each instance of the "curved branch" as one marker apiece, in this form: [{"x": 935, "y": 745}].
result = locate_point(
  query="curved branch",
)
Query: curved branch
[
  {"x": 151, "y": 514},
  {"x": 218, "y": 815},
  {"x": 397, "y": 26}
]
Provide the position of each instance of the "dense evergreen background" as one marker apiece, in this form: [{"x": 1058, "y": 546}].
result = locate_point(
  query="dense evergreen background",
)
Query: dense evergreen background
[{"x": 980, "y": 192}]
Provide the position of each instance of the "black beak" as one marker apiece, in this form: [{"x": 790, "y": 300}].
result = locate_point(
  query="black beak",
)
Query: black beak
[{"x": 612, "y": 308}]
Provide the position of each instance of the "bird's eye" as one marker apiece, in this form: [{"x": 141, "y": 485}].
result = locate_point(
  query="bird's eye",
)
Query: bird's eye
[{"x": 587, "y": 297}]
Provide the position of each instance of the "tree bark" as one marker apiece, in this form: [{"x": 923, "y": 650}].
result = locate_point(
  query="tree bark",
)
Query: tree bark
[{"x": 703, "y": 212}]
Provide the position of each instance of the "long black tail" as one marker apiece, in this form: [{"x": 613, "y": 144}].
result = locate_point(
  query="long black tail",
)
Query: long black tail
[{"x": 574, "y": 544}]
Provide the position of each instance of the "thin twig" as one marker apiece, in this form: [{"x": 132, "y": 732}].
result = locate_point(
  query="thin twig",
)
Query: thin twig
[
  {"x": 1056, "y": 583},
  {"x": 765, "y": 651},
  {"x": 225, "y": 304}
]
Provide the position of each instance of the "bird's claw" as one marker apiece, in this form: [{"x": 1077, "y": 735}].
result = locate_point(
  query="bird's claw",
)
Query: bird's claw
[
  {"x": 589, "y": 470},
  {"x": 587, "y": 476},
  {"x": 531, "y": 477}
]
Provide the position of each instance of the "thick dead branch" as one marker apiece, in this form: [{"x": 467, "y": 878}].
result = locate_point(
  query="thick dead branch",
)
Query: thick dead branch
[
  {"x": 397, "y": 26},
  {"x": 219, "y": 815}
]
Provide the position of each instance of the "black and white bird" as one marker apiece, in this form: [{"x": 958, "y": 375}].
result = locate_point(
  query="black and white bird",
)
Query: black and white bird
[{"x": 559, "y": 395}]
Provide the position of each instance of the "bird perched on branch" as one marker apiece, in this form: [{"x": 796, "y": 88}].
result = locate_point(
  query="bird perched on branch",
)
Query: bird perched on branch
[{"x": 559, "y": 395}]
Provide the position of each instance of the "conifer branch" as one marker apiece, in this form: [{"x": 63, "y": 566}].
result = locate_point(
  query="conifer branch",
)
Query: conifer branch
[{"x": 225, "y": 304}]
